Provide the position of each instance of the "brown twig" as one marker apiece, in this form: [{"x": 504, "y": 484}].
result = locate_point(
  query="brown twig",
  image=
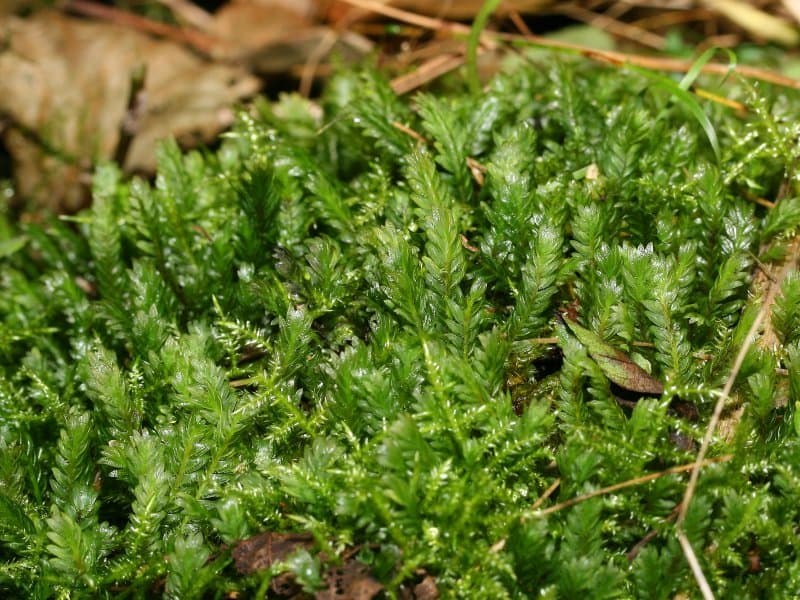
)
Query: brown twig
[
  {"x": 137, "y": 105},
  {"x": 758, "y": 200},
  {"x": 607, "y": 56},
  {"x": 427, "y": 71},
  {"x": 547, "y": 493},
  {"x": 737, "y": 106},
  {"x": 407, "y": 16},
  {"x": 655, "y": 63},
  {"x": 477, "y": 170},
  {"x": 519, "y": 23},
  {"x": 694, "y": 565},
  {"x": 409, "y": 132},
  {"x": 201, "y": 42},
  {"x": 626, "y": 484},
  {"x": 323, "y": 47},
  {"x": 614, "y": 27},
  {"x": 650, "y": 536},
  {"x": 712, "y": 424},
  {"x": 691, "y": 487},
  {"x": 675, "y": 17}
]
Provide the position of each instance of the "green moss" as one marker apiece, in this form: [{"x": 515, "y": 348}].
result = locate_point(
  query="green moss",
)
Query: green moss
[{"x": 326, "y": 326}]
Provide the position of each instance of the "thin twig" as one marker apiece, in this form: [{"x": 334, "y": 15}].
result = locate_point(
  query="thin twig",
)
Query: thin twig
[
  {"x": 409, "y": 132},
  {"x": 650, "y": 536},
  {"x": 655, "y": 63},
  {"x": 428, "y": 71},
  {"x": 766, "y": 306},
  {"x": 607, "y": 56},
  {"x": 201, "y": 42},
  {"x": 762, "y": 201},
  {"x": 712, "y": 424},
  {"x": 409, "y": 82},
  {"x": 694, "y": 564},
  {"x": 691, "y": 487},
  {"x": 737, "y": 106},
  {"x": 547, "y": 493},
  {"x": 519, "y": 23},
  {"x": 406, "y": 16},
  {"x": 322, "y": 48},
  {"x": 626, "y": 484},
  {"x": 677, "y": 17},
  {"x": 631, "y": 32},
  {"x": 136, "y": 107}
]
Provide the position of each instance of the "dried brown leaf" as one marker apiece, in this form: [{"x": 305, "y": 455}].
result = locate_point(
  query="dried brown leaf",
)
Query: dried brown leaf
[
  {"x": 261, "y": 551},
  {"x": 248, "y": 26},
  {"x": 756, "y": 22},
  {"x": 793, "y": 6},
  {"x": 615, "y": 364},
  {"x": 462, "y": 9},
  {"x": 350, "y": 581},
  {"x": 273, "y": 36},
  {"x": 426, "y": 589},
  {"x": 64, "y": 87}
]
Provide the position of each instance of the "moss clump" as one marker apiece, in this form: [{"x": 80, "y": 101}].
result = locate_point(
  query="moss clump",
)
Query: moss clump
[{"x": 330, "y": 327}]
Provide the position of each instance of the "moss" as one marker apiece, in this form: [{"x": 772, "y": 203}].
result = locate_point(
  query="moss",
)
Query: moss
[{"x": 330, "y": 327}]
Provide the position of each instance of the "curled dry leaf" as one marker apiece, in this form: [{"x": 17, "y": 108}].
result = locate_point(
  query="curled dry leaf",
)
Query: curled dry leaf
[
  {"x": 756, "y": 22},
  {"x": 451, "y": 9},
  {"x": 261, "y": 551},
  {"x": 615, "y": 364},
  {"x": 64, "y": 87},
  {"x": 793, "y": 6},
  {"x": 274, "y": 36},
  {"x": 426, "y": 589},
  {"x": 247, "y": 26},
  {"x": 349, "y": 579}
]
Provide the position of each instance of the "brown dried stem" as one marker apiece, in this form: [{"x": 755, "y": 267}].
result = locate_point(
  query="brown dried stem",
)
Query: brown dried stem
[{"x": 626, "y": 484}]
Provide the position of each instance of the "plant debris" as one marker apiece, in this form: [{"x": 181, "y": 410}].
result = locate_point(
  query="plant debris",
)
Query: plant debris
[
  {"x": 345, "y": 577},
  {"x": 290, "y": 333}
]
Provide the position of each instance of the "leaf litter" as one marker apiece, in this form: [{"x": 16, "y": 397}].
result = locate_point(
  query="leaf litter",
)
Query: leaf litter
[{"x": 345, "y": 578}]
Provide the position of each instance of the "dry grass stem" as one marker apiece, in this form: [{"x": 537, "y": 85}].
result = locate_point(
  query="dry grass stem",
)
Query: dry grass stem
[
  {"x": 428, "y": 71},
  {"x": 547, "y": 493},
  {"x": 694, "y": 565},
  {"x": 614, "y": 27},
  {"x": 626, "y": 484}
]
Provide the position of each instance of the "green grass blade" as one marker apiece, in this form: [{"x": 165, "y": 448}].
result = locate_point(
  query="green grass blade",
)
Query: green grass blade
[{"x": 478, "y": 25}]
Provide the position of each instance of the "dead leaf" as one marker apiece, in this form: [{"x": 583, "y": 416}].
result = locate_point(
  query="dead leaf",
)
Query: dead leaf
[
  {"x": 64, "y": 87},
  {"x": 616, "y": 365},
  {"x": 273, "y": 36},
  {"x": 422, "y": 588},
  {"x": 249, "y": 26},
  {"x": 755, "y": 21},
  {"x": 350, "y": 581},
  {"x": 450, "y": 9},
  {"x": 261, "y": 551},
  {"x": 426, "y": 589},
  {"x": 793, "y": 6}
]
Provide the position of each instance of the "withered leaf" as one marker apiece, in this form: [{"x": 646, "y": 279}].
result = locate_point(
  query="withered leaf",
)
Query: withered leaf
[
  {"x": 64, "y": 91},
  {"x": 426, "y": 589},
  {"x": 350, "y": 581},
  {"x": 419, "y": 589},
  {"x": 262, "y": 550},
  {"x": 615, "y": 364}
]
